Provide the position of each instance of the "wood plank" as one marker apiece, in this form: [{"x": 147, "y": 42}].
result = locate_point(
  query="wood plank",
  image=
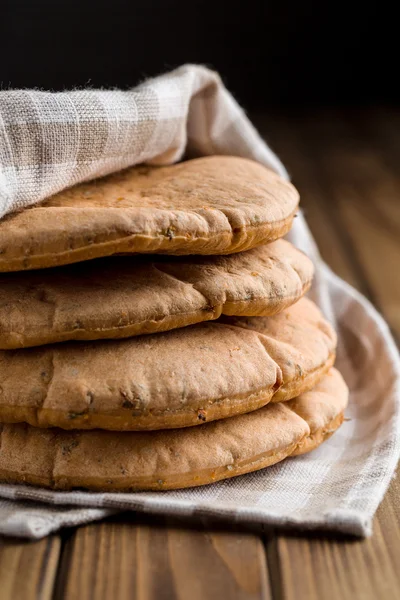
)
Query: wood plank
[
  {"x": 137, "y": 560},
  {"x": 363, "y": 194},
  {"x": 381, "y": 126},
  {"x": 28, "y": 569},
  {"x": 327, "y": 568}
]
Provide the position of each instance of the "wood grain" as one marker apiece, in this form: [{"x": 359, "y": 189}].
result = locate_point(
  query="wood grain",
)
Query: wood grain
[
  {"x": 164, "y": 561},
  {"x": 327, "y": 568},
  {"x": 28, "y": 569},
  {"x": 362, "y": 200}
]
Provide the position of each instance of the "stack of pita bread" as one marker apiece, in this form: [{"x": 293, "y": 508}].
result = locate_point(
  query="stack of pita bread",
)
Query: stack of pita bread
[{"x": 154, "y": 333}]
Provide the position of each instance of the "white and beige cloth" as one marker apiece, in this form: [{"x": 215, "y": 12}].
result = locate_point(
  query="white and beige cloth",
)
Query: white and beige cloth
[{"x": 50, "y": 141}]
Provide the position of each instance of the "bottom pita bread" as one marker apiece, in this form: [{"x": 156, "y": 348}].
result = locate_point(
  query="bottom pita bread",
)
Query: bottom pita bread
[{"x": 162, "y": 460}]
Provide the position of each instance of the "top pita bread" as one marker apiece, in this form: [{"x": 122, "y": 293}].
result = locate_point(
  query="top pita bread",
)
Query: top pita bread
[
  {"x": 127, "y": 296},
  {"x": 212, "y": 205}
]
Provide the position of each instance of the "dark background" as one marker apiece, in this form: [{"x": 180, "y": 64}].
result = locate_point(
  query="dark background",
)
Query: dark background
[{"x": 283, "y": 53}]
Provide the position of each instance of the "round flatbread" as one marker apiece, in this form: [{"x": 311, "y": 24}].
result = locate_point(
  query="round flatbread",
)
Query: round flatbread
[
  {"x": 212, "y": 205},
  {"x": 175, "y": 379},
  {"x": 127, "y": 296},
  {"x": 162, "y": 460},
  {"x": 297, "y": 339}
]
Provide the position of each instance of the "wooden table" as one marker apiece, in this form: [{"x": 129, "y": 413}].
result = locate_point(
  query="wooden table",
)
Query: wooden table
[{"x": 347, "y": 169}]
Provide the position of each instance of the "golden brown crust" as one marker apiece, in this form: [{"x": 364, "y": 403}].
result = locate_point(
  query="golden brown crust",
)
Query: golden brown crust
[
  {"x": 211, "y": 205},
  {"x": 128, "y": 296},
  {"x": 323, "y": 412},
  {"x": 296, "y": 387},
  {"x": 316, "y": 438},
  {"x": 111, "y": 461},
  {"x": 179, "y": 378}
]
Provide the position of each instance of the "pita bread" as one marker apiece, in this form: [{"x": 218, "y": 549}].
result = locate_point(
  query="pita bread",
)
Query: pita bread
[
  {"x": 295, "y": 338},
  {"x": 211, "y": 205},
  {"x": 175, "y": 379},
  {"x": 162, "y": 460},
  {"x": 127, "y": 296}
]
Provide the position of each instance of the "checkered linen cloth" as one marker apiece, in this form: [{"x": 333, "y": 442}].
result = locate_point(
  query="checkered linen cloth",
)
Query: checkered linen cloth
[{"x": 49, "y": 141}]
